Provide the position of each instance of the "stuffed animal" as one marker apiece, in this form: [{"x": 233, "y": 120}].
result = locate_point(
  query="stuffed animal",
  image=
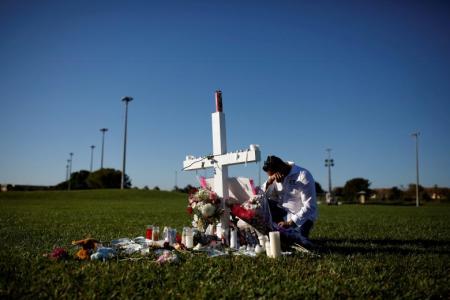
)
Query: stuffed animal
[{"x": 88, "y": 246}]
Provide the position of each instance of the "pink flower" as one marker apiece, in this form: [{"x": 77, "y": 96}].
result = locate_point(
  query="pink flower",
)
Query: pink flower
[
  {"x": 58, "y": 253},
  {"x": 213, "y": 196}
]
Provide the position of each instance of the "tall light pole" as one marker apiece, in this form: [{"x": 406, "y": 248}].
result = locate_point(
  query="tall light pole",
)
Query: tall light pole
[
  {"x": 416, "y": 136},
  {"x": 103, "y": 130},
  {"x": 70, "y": 170},
  {"x": 176, "y": 180},
  {"x": 92, "y": 156},
  {"x": 126, "y": 100},
  {"x": 67, "y": 169},
  {"x": 329, "y": 162}
]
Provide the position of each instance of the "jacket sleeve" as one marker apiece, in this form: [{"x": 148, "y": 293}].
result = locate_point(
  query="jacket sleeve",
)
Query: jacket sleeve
[{"x": 308, "y": 197}]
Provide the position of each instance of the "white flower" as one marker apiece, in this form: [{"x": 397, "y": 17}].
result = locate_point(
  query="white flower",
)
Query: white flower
[
  {"x": 208, "y": 210},
  {"x": 203, "y": 195}
]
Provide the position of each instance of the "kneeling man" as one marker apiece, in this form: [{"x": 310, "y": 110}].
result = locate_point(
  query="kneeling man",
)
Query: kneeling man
[{"x": 292, "y": 194}]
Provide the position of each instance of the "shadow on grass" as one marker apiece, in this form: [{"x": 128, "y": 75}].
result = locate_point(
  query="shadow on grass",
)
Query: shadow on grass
[{"x": 374, "y": 246}]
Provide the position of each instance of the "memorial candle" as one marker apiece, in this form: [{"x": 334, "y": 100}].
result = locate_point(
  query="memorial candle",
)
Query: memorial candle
[
  {"x": 233, "y": 239},
  {"x": 189, "y": 238},
  {"x": 148, "y": 232},
  {"x": 155, "y": 233},
  {"x": 275, "y": 245},
  {"x": 267, "y": 246}
]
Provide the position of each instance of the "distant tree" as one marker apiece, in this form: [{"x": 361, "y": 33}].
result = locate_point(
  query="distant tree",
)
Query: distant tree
[
  {"x": 146, "y": 188},
  {"x": 107, "y": 179},
  {"x": 395, "y": 194},
  {"x": 410, "y": 193},
  {"x": 156, "y": 188},
  {"x": 78, "y": 181},
  {"x": 354, "y": 186},
  {"x": 338, "y": 191},
  {"x": 319, "y": 190},
  {"x": 446, "y": 194},
  {"x": 187, "y": 189}
]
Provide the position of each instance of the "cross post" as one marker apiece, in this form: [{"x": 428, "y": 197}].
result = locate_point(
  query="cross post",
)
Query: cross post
[{"x": 221, "y": 159}]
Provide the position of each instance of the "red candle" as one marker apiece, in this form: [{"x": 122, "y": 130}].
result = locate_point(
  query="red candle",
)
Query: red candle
[{"x": 148, "y": 233}]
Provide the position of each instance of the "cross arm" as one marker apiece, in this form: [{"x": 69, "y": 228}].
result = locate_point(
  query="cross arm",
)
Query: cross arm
[{"x": 231, "y": 158}]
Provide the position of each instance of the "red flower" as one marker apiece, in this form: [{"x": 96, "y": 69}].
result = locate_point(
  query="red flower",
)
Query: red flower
[
  {"x": 239, "y": 211},
  {"x": 189, "y": 210},
  {"x": 59, "y": 253},
  {"x": 213, "y": 196},
  {"x": 192, "y": 191}
]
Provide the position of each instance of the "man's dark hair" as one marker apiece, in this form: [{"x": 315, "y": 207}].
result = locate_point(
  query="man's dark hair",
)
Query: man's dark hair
[{"x": 273, "y": 163}]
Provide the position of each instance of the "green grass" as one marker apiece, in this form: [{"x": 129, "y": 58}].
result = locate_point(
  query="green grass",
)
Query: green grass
[{"x": 365, "y": 252}]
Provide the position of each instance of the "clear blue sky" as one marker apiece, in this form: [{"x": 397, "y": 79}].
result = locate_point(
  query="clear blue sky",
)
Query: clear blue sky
[{"x": 297, "y": 77}]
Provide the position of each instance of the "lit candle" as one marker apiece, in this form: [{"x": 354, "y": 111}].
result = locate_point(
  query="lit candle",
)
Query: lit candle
[
  {"x": 189, "y": 238},
  {"x": 259, "y": 249},
  {"x": 233, "y": 239},
  {"x": 183, "y": 236},
  {"x": 267, "y": 246},
  {"x": 155, "y": 234},
  {"x": 262, "y": 241},
  {"x": 275, "y": 245}
]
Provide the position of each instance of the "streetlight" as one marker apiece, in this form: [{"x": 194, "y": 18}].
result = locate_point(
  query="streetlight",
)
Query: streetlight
[
  {"x": 92, "y": 155},
  {"x": 416, "y": 136},
  {"x": 103, "y": 130},
  {"x": 329, "y": 162},
  {"x": 70, "y": 170},
  {"x": 126, "y": 100},
  {"x": 67, "y": 170}
]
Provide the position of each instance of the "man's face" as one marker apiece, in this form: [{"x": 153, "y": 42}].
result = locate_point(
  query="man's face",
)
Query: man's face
[{"x": 277, "y": 175}]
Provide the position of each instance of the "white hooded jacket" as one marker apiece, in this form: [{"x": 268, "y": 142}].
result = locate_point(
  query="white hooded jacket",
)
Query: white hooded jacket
[{"x": 297, "y": 195}]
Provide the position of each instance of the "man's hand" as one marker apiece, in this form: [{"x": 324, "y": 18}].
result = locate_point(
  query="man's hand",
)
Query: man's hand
[
  {"x": 278, "y": 177},
  {"x": 286, "y": 224}
]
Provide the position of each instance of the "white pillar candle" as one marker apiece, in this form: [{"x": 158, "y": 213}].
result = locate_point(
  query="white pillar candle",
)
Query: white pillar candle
[
  {"x": 219, "y": 232},
  {"x": 183, "y": 238},
  {"x": 259, "y": 249},
  {"x": 262, "y": 241},
  {"x": 233, "y": 239},
  {"x": 189, "y": 241},
  {"x": 267, "y": 246},
  {"x": 275, "y": 245}
]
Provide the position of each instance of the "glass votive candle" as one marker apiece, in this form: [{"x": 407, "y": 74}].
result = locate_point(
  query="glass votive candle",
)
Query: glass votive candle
[{"x": 149, "y": 232}]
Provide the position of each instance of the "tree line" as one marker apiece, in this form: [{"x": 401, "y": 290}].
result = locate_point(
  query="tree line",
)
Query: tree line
[
  {"x": 355, "y": 187},
  {"x": 351, "y": 192},
  {"x": 100, "y": 179}
]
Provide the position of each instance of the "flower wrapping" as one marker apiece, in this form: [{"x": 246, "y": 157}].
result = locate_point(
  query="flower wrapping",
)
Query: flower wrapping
[
  {"x": 205, "y": 207},
  {"x": 255, "y": 212}
]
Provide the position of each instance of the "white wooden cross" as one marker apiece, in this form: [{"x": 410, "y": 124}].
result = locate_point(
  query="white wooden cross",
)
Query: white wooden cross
[{"x": 220, "y": 159}]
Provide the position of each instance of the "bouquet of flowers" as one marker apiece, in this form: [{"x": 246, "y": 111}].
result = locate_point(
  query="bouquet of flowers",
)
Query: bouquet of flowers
[
  {"x": 255, "y": 212},
  {"x": 204, "y": 205}
]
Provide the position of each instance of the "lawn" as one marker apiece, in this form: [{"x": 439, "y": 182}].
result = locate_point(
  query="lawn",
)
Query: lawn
[{"x": 365, "y": 252}]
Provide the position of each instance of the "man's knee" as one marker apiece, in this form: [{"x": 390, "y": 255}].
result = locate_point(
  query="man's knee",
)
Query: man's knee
[{"x": 305, "y": 229}]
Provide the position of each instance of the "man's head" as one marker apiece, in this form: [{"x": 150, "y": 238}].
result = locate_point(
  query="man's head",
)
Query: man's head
[{"x": 274, "y": 164}]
